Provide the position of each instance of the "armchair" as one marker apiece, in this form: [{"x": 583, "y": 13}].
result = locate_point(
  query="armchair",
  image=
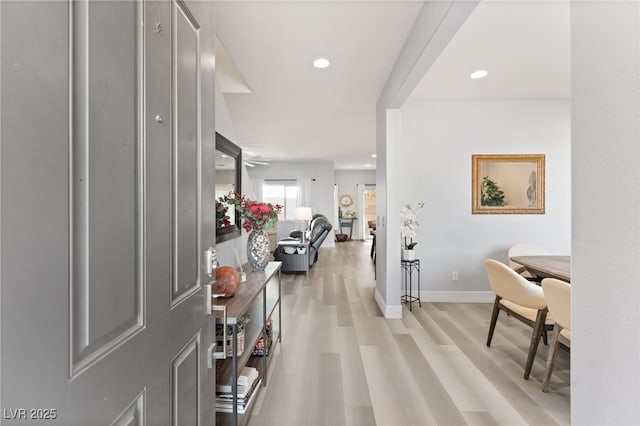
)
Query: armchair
[
  {"x": 522, "y": 300},
  {"x": 298, "y": 234}
]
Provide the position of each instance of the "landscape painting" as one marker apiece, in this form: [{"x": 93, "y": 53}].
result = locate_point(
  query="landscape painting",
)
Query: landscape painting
[{"x": 508, "y": 183}]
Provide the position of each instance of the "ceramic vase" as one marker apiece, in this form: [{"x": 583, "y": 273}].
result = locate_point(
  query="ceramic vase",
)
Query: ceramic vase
[
  {"x": 408, "y": 254},
  {"x": 258, "y": 250}
]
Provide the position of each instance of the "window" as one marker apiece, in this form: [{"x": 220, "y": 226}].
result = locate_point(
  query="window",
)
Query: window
[{"x": 283, "y": 192}]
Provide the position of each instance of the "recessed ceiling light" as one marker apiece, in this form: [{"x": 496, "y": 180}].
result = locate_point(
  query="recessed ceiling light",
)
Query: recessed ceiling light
[
  {"x": 367, "y": 165},
  {"x": 321, "y": 63},
  {"x": 479, "y": 74},
  {"x": 374, "y": 155}
]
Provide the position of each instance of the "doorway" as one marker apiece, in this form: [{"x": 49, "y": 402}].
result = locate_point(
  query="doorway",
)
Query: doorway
[{"x": 368, "y": 213}]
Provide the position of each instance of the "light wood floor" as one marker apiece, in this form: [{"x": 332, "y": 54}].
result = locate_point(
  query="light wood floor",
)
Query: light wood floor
[{"x": 342, "y": 363}]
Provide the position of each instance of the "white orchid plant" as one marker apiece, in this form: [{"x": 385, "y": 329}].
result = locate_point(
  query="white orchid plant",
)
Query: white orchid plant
[{"x": 409, "y": 224}]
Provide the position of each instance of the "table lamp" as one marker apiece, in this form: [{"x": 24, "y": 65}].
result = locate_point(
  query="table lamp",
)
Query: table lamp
[{"x": 304, "y": 214}]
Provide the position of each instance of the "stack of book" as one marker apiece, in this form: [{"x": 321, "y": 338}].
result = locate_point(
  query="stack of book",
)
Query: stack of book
[{"x": 248, "y": 381}]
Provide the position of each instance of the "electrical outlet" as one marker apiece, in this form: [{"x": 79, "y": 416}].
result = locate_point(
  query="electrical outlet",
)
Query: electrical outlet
[{"x": 454, "y": 276}]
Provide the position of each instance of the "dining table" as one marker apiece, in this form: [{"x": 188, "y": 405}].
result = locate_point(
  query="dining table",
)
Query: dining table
[{"x": 546, "y": 266}]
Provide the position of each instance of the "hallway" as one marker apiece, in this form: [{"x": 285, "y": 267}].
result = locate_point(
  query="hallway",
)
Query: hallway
[{"x": 342, "y": 363}]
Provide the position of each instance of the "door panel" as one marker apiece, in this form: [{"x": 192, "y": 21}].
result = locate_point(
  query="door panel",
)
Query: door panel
[
  {"x": 133, "y": 415},
  {"x": 185, "y": 54},
  {"x": 114, "y": 181},
  {"x": 103, "y": 218},
  {"x": 185, "y": 384},
  {"x": 34, "y": 217},
  {"x": 105, "y": 178}
]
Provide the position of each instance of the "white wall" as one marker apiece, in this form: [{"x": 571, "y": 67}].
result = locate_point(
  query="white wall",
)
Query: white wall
[
  {"x": 321, "y": 192},
  {"x": 389, "y": 134},
  {"x": 438, "y": 139},
  {"x": 605, "y": 126},
  {"x": 347, "y": 182},
  {"x": 224, "y": 126},
  {"x": 436, "y": 24},
  {"x": 321, "y": 196},
  {"x": 605, "y": 269}
]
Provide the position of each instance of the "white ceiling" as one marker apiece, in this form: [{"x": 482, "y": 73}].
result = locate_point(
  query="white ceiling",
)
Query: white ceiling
[
  {"x": 523, "y": 44},
  {"x": 297, "y": 112}
]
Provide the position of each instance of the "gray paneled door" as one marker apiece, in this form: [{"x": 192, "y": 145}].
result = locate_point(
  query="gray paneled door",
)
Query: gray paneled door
[{"x": 107, "y": 148}]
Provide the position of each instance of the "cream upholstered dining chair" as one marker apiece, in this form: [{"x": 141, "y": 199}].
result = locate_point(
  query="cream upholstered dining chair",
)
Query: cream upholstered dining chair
[
  {"x": 558, "y": 296},
  {"x": 525, "y": 249},
  {"x": 521, "y": 299}
]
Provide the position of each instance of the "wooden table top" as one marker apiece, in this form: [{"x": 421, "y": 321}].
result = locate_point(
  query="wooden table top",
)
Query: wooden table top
[
  {"x": 547, "y": 266},
  {"x": 239, "y": 303}
]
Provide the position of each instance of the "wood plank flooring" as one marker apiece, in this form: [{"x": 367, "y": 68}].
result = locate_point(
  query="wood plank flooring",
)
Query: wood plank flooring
[{"x": 342, "y": 363}]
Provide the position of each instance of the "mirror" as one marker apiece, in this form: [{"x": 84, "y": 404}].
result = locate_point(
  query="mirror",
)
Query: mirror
[
  {"x": 508, "y": 184},
  {"x": 228, "y": 178}
]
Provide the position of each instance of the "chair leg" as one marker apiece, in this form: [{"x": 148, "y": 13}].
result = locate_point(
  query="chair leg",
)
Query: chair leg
[
  {"x": 373, "y": 246},
  {"x": 544, "y": 336},
  {"x": 551, "y": 358},
  {"x": 494, "y": 319},
  {"x": 535, "y": 340}
]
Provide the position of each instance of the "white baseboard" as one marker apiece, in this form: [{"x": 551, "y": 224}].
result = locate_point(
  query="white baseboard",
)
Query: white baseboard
[
  {"x": 395, "y": 311},
  {"x": 389, "y": 311},
  {"x": 458, "y": 296}
]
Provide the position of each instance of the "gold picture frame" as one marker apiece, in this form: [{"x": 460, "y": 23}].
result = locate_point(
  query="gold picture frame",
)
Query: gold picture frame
[{"x": 507, "y": 183}]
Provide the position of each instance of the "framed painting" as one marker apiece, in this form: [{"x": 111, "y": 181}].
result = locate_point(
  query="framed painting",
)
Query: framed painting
[{"x": 507, "y": 184}]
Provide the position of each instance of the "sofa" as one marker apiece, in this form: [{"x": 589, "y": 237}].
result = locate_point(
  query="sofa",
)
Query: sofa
[{"x": 296, "y": 256}]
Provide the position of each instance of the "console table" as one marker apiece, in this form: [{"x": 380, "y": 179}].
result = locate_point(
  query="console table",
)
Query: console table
[
  {"x": 258, "y": 297},
  {"x": 408, "y": 268},
  {"x": 347, "y": 222}
]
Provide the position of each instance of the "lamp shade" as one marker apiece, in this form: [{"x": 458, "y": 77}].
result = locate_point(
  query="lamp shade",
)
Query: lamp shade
[{"x": 302, "y": 213}]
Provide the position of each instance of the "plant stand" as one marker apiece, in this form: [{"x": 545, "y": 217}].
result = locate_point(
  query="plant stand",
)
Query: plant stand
[{"x": 408, "y": 267}]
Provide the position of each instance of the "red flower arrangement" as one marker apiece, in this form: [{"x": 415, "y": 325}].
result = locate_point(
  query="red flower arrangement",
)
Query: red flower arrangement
[
  {"x": 222, "y": 214},
  {"x": 257, "y": 215}
]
